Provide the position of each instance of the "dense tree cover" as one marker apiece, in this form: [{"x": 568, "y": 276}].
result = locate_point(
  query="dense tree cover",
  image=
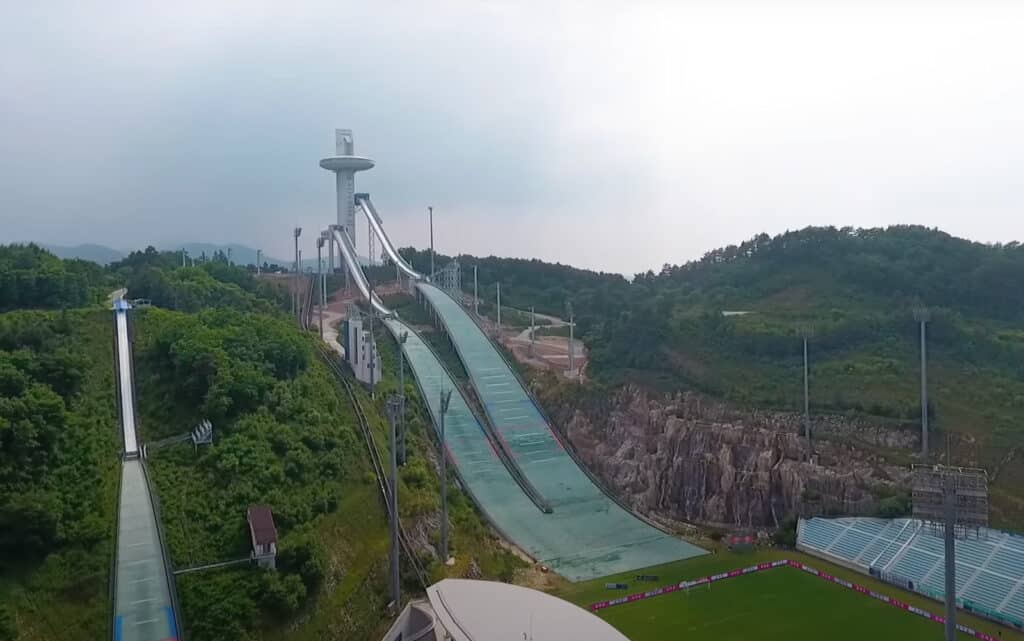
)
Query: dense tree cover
[
  {"x": 31, "y": 277},
  {"x": 896, "y": 265},
  {"x": 161, "y": 278},
  {"x": 854, "y": 290},
  {"x": 283, "y": 439},
  {"x": 531, "y": 282},
  {"x": 286, "y": 437},
  {"x": 58, "y": 455}
]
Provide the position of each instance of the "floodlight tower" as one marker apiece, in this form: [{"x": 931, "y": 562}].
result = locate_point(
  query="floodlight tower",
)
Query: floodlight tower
[
  {"x": 922, "y": 315},
  {"x": 345, "y": 165},
  {"x": 806, "y": 331}
]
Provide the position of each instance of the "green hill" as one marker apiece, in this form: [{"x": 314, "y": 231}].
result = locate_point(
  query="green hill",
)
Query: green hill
[
  {"x": 217, "y": 345},
  {"x": 855, "y": 290}
]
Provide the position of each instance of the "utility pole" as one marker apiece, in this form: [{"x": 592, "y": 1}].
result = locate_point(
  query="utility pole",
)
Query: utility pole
[
  {"x": 396, "y": 595},
  {"x": 259, "y": 261},
  {"x": 320, "y": 281},
  {"x": 805, "y": 333},
  {"x": 807, "y": 401},
  {"x": 572, "y": 340},
  {"x": 373, "y": 343},
  {"x": 402, "y": 338},
  {"x": 323, "y": 279},
  {"x": 431, "y": 210},
  {"x": 499, "y": 312},
  {"x": 476, "y": 299},
  {"x": 446, "y": 397},
  {"x": 533, "y": 329},
  {"x": 295, "y": 277},
  {"x": 182, "y": 256},
  {"x": 923, "y": 316}
]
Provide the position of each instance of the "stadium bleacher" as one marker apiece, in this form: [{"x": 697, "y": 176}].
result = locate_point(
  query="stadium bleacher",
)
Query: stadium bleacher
[{"x": 990, "y": 568}]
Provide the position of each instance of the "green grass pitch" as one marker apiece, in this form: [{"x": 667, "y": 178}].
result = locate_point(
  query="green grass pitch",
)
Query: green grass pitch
[{"x": 783, "y": 604}]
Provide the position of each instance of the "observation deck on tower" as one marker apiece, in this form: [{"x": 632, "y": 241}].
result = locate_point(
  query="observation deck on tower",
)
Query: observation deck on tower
[{"x": 345, "y": 165}]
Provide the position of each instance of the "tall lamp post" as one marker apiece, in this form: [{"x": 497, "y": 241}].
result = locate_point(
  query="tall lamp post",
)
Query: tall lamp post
[
  {"x": 431, "y": 210},
  {"x": 923, "y": 315},
  {"x": 533, "y": 330},
  {"x": 393, "y": 408},
  {"x": 572, "y": 340},
  {"x": 295, "y": 281},
  {"x": 806, "y": 332},
  {"x": 320, "y": 281},
  {"x": 498, "y": 330},
  {"x": 446, "y": 397},
  {"x": 373, "y": 343},
  {"x": 476, "y": 298},
  {"x": 402, "y": 338}
]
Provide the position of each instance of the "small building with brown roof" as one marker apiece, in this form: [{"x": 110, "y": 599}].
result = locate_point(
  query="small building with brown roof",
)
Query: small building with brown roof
[{"x": 264, "y": 535}]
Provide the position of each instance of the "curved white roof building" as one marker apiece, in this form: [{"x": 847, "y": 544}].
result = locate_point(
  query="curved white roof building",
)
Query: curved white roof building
[{"x": 465, "y": 610}]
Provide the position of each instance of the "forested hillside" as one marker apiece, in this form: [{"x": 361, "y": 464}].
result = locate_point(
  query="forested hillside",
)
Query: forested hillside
[
  {"x": 215, "y": 345},
  {"x": 526, "y": 282},
  {"x": 58, "y": 474},
  {"x": 283, "y": 438},
  {"x": 33, "y": 278},
  {"x": 854, "y": 291}
]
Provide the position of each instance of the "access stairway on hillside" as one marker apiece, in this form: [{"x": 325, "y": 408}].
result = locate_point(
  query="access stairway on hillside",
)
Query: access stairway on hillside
[{"x": 144, "y": 603}]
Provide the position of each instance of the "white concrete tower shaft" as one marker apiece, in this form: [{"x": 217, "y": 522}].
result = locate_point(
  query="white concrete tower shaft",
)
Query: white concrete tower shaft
[
  {"x": 346, "y": 183},
  {"x": 345, "y": 164}
]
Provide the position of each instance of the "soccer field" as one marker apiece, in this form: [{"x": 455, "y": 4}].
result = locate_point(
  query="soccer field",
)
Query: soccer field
[{"x": 784, "y": 604}]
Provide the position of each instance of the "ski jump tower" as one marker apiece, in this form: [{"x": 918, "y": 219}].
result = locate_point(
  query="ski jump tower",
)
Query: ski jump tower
[{"x": 345, "y": 165}]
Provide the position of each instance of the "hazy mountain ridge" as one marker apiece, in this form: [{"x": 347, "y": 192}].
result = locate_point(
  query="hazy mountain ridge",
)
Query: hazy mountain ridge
[
  {"x": 240, "y": 254},
  {"x": 87, "y": 251}
]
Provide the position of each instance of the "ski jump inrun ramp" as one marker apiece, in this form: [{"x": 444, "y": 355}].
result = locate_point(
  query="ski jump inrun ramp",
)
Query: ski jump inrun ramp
[{"x": 586, "y": 534}]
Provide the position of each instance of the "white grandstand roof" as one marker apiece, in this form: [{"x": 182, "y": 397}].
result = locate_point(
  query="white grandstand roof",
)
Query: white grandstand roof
[{"x": 491, "y": 611}]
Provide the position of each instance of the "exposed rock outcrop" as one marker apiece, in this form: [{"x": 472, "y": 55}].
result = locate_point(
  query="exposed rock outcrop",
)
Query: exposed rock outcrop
[{"x": 689, "y": 458}]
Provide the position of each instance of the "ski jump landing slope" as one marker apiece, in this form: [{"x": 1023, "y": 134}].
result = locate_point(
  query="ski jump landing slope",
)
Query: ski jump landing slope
[{"x": 594, "y": 535}]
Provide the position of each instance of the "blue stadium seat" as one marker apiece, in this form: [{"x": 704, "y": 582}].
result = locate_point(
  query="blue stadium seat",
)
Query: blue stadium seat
[{"x": 993, "y": 564}]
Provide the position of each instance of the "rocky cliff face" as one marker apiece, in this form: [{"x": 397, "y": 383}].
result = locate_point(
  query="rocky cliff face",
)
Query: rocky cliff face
[{"x": 687, "y": 458}]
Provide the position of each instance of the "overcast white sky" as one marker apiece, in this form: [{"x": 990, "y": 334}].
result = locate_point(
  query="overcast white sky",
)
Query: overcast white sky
[{"x": 617, "y": 135}]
